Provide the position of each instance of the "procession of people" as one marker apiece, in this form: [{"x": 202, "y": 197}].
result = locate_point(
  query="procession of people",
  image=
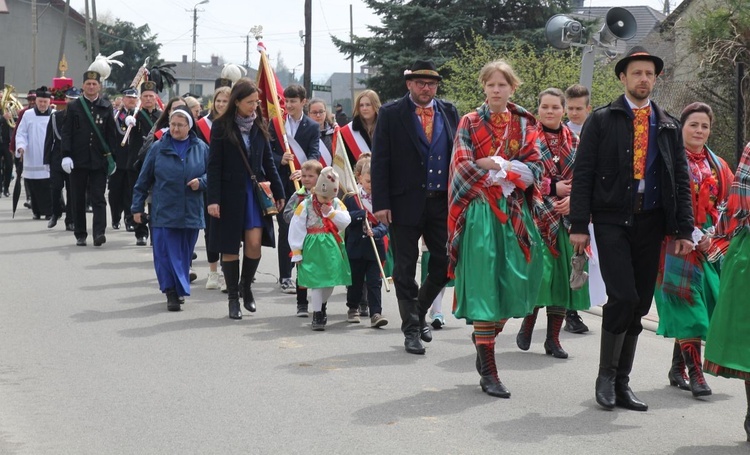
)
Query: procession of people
[{"x": 516, "y": 208}]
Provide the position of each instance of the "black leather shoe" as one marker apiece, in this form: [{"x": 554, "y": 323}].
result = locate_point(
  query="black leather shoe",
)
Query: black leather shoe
[
  {"x": 173, "y": 301},
  {"x": 234, "y": 309},
  {"x": 81, "y": 242},
  {"x": 625, "y": 398},
  {"x": 52, "y": 222},
  {"x": 129, "y": 227},
  {"x": 70, "y": 227},
  {"x": 100, "y": 240},
  {"x": 6, "y": 193},
  {"x": 115, "y": 226},
  {"x": 425, "y": 333},
  {"x": 140, "y": 241},
  {"x": 27, "y": 204},
  {"x": 413, "y": 345},
  {"x": 37, "y": 217}
]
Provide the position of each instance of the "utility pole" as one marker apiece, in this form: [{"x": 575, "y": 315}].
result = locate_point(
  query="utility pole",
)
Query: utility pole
[
  {"x": 34, "y": 30},
  {"x": 88, "y": 34},
  {"x": 195, "y": 27},
  {"x": 306, "y": 78},
  {"x": 247, "y": 51},
  {"x": 351, "y": 42},
  {"x": 96, "y": 27},
  {"x": 66, "y": 16}
]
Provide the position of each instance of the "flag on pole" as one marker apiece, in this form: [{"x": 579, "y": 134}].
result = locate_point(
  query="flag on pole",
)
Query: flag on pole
[
  {"x": 342, "y": 166},
  {"x": 270, "y": 88}
]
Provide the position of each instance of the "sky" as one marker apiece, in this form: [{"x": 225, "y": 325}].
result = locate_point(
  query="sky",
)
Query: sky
[{"x": 223, "y": 27}]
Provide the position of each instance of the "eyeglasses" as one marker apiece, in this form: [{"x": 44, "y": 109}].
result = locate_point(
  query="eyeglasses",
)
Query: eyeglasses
[
  {"x": 423, "y": 84},
  {"x": 178, "y": 126},
  {"x": 317, "y": 112}
]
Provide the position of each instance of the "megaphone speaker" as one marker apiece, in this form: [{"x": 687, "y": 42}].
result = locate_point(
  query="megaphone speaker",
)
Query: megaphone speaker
[
  {"x": 561, "y": 30},
  {"x": 619, "y": 23}
]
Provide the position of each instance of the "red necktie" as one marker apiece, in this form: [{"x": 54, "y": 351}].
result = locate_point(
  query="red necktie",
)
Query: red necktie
[
  {"x": 640, "y": 141},
  {"x": 425, "y": 116}
]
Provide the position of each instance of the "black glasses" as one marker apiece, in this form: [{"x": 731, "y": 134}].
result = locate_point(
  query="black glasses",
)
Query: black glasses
[
  {"x": 317, "y": 112},
  {"x": 423, "y": 84}
]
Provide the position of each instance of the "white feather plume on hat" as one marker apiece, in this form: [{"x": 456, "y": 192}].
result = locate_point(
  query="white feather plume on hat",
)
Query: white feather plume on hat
[
  {"x": 233, "y": 72},
  {"x": 103, "y": 65}
]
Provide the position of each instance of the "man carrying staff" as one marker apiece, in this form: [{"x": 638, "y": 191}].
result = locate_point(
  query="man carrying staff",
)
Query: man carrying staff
[
  {"x": 412, "y": 145},
  {"x": 88, "y": 137},
  {"x": 631, "y": 179}
]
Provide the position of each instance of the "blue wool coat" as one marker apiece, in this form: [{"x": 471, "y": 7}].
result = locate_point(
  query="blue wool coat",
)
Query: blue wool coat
[{"x": 173, "y": 203}]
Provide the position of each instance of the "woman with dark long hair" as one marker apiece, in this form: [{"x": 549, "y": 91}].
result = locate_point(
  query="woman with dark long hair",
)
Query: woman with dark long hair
[{"x": 238, "y": 137}]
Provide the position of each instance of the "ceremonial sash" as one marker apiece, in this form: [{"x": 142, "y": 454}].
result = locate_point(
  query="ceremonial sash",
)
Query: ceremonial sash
[
  {"x": 147, "y": 117},
  {"x": 299, "y": 154},
  {"x": 325, "y": 155},
  {"x": 354, "y": 141},
  {"x": 98, "y": 132},
  {"x": 205, "y": 129}
]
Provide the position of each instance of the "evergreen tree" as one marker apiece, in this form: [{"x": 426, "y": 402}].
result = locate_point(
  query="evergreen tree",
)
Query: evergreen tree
[
  {"x": 434, "y": 29},
  {"x": 137, "y": 43}
]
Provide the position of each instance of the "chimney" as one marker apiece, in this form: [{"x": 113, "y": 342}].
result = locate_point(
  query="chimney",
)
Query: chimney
[
  {"x": 214, "y": 60},
  {"x": 184, "y": 59}
]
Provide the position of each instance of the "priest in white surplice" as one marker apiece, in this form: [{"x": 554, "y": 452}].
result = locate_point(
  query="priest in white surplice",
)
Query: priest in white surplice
[{"x": 30, "y": 148}]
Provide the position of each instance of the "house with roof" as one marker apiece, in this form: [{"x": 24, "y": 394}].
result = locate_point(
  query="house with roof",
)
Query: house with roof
[
  {"x": 17, "y": 64},
  {"x": 206, "y": 74}
]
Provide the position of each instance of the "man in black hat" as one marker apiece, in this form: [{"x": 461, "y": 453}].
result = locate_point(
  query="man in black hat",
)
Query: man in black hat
[
  {"x": 30, "y": 104},
  {"x": 89, "y": 135},
  {"x": 413, "y": 141},
  {"x": 119, "y": 186},
  {"x": 143, "y": 122},
  {"x": 341, "y": 117},
  {"x": 59, "y": 179},
  {"x": 632, "y": 182}
]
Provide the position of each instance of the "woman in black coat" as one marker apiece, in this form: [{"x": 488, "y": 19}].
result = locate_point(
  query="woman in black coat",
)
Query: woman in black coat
[{"x": 235, "y": 211}]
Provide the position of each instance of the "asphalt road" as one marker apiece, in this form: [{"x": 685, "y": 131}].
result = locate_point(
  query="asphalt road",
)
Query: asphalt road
[{"x": 92, "y": 363}]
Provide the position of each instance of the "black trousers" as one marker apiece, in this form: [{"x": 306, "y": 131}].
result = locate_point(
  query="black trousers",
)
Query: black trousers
[
  {"x": 283, "y": 249},
  {"x": 119, "y": 195},
  {"x": 365, "y": 272},
  {"x": 433, "y": 227},
  {"x": 7, "y": 167},
  {"x": 58, "y": 180},
  {"x": 629, "y": 260},
  {"x": 41, "y": 204},
  {"x": 141, "y": 230},
  {"x": 96, "y": 181}
]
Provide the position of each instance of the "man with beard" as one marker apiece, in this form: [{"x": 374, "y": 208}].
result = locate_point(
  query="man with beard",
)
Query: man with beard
[{"x": 631, "y": 180}]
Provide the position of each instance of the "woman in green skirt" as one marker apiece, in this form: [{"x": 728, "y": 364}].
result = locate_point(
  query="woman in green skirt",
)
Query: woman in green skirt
[
  {"x": 727, "y": 342},
  {"x": 493, "y": 244},
  {"x": 687, "y": 286},
  {"x": 557, "y": 146}
]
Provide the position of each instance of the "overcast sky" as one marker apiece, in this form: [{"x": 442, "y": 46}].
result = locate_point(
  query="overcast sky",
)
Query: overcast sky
[{"x": 223, "y": 27}]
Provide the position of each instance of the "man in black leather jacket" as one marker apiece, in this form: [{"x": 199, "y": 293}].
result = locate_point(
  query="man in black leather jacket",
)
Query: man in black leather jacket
[{"x": 631, "y": 179}]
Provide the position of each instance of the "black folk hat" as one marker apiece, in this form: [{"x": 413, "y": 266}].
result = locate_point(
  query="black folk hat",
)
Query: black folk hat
[
  {"x": 92, "y": 75},
  {"x": 638, "y": 53},
  {"x": 43, "y": 92},
  {"x": 222, "y": 82},
  {"x": 149, "y": 86},
  {"x": 424, "y": 69}
]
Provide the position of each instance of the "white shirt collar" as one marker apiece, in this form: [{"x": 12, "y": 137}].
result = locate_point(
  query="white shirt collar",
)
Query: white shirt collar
[{"x": 633, "y": 106}]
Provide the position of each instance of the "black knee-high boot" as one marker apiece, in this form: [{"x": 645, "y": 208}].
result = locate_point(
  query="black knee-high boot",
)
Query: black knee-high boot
[
  {"x": 232, "y": 278},
  {"x": 490, "y": 382},
  {"x": 676, "y": 375},
  {"x": 552, "y": 344},
  {"x": 625, "y": 398},
  {"x": 249, "y": 267},
  {"x": 609, "y": 359},
  {"x": 523, "y": 339}
]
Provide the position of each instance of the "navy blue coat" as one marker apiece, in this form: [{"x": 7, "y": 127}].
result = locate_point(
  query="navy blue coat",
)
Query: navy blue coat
[
  {"x": 358, "y": 244},
  {"x": 227, "y": 186},
  {"x": 173, "y": 203},
  {"x": 399, "y": 170},
  {"x": 308, "y": 137}
]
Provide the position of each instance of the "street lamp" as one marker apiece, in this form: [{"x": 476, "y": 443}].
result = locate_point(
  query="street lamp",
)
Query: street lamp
[{"x": 195, "y": 26}]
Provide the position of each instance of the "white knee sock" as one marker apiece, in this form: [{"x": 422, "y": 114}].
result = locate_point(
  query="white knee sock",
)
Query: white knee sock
[{"x": 319, "y": 296}]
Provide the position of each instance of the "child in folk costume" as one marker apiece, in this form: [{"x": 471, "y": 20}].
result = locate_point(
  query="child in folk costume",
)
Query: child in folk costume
[
  {"x": 557, "y": 146},
  {"x": 493, "y": 244},
  {"x": 687, "y": 287},
  {"x": 362, "y": 259},
  {"x": 308, "y": 176},
  {"x": 317, "y": 245}
]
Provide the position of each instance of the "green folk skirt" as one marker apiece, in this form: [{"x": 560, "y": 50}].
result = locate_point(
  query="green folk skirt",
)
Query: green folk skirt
[
  {"x": 493, "y": 279},
  {"x": 727, "y": 343},
  {"x": 555, "y": 288},
  {"x": 324, "y": 263}
]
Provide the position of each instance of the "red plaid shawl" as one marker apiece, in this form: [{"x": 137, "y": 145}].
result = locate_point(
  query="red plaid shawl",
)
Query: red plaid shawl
[
  {"x": 735, "y": 215},
  {"x": 676, "y": 273},
  {"x": 468, "y": 181},
  {"x": 545, "y": 217}
]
